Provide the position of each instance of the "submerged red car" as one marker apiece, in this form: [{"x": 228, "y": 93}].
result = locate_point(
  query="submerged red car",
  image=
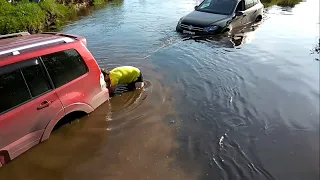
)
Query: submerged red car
[{"x": 43, "y": 78}]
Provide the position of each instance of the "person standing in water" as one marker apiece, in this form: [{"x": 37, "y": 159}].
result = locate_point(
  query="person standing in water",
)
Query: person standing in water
[{"x": 128, "y": 75}]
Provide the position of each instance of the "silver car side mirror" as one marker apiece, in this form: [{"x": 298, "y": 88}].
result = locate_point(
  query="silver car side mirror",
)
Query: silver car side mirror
[{"x": 239, "y": 13}]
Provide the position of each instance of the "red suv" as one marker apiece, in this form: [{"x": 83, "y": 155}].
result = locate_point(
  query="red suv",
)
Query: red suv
[{"x": 43, "y": 78}]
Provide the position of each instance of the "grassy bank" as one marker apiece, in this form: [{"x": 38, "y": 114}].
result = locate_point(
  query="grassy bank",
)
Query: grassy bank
[
  {"x": 283, "y": 3},
  {"x": 32, "y": 17},
  {"x": 36, "y": 17}
]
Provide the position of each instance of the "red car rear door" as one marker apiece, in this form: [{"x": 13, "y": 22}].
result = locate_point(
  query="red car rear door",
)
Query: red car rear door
[{"x": 28, "y": 104}]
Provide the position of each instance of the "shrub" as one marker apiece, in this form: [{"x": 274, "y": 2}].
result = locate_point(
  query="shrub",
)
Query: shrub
[
  {"x": 283, "y": 3},
  {"x": 33, "y": 17},
  {"x": 23, "y": 16}
]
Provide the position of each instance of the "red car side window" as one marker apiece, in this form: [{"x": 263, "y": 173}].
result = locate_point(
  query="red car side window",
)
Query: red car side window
[
  {"x": 64, "y": 66},
  {"x": 13, "y": 90},
  {"x": 36, "y": 80}
]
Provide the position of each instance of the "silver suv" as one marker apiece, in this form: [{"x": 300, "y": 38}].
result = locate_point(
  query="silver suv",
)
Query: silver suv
[{"x": 219, "y": 16}]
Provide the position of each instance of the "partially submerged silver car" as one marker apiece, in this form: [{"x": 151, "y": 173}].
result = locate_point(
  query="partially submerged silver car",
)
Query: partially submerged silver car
[{"x": 219, "y": 16}]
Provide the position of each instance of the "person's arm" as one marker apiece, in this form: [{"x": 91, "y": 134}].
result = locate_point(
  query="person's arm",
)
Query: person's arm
[
  {"x": 112, "y": 85},
  {"x": 111, "y": 89}
]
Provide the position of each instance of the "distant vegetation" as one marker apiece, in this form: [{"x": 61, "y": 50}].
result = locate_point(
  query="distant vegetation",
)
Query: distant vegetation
[
  {"x": 35, "y": 17},
  {"x": 32, "y": 17},
  {"x": 283, "y": 3}
]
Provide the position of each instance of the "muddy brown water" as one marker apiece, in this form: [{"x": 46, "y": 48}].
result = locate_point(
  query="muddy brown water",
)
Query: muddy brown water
[{"x": 241, "y": 108}]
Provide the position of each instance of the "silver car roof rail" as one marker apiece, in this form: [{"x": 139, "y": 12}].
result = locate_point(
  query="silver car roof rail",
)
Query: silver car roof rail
[
  {"x": 14, "y": 35},
  {"x": 18, "y": 50}
]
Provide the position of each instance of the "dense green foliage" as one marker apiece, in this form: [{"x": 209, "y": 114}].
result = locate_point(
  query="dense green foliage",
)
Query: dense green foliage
[
  {"x": 22, "y": 16},
  {"x": 284, "y": 3},
  {"x": 32, "y": 17}
]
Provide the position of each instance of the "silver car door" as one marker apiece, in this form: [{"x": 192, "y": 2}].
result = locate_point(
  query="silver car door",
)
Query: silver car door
[
  {"x": 238, "y": 20},
  {"x": 255, "y": 11},
  {"x": 249, "y": 10}
]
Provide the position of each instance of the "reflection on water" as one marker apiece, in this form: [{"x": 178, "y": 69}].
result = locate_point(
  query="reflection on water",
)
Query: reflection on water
[
  {"x": 240, "y": 106},
  {"x": 231, "y": 40},
  {"x": 316, "y": 50}
]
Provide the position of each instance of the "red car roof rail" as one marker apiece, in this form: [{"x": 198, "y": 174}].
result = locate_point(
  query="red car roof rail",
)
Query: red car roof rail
[{"x": 14, "y": 35}]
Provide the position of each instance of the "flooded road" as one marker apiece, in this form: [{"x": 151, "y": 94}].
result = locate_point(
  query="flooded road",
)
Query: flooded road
[{"x": 241, "y": 108}]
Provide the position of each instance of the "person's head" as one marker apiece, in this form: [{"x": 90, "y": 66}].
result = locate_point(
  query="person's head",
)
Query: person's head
[{"x": 106, "y": 75}]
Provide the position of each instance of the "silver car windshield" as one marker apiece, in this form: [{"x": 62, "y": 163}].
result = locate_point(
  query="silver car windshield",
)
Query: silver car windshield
[{"x": 225, "y": 7}]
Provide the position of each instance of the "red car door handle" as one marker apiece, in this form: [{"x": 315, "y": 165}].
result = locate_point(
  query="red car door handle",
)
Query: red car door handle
[{"x": 44, "y": 104}]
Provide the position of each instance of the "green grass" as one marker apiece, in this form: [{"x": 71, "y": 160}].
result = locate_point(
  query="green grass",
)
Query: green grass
[
  {"x": 57, "y": 14},
  {"x": 22, "y": 16},
  {"x": 32, "y": 17},
  {"x": 108, "y": 2},
  {"x": 99, "y": 2},
  {"x": 283, "y": 3}
]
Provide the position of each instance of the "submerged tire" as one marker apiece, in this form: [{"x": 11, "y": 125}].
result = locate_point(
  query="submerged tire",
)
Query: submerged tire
[
  {"x": 258, "y": 19},
  {"x": 226, "y": 30},
  {"x": 178, "y": 29}
]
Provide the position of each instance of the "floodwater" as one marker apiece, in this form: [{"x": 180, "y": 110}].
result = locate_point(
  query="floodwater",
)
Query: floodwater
[{"x": 241, "y": 108}]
